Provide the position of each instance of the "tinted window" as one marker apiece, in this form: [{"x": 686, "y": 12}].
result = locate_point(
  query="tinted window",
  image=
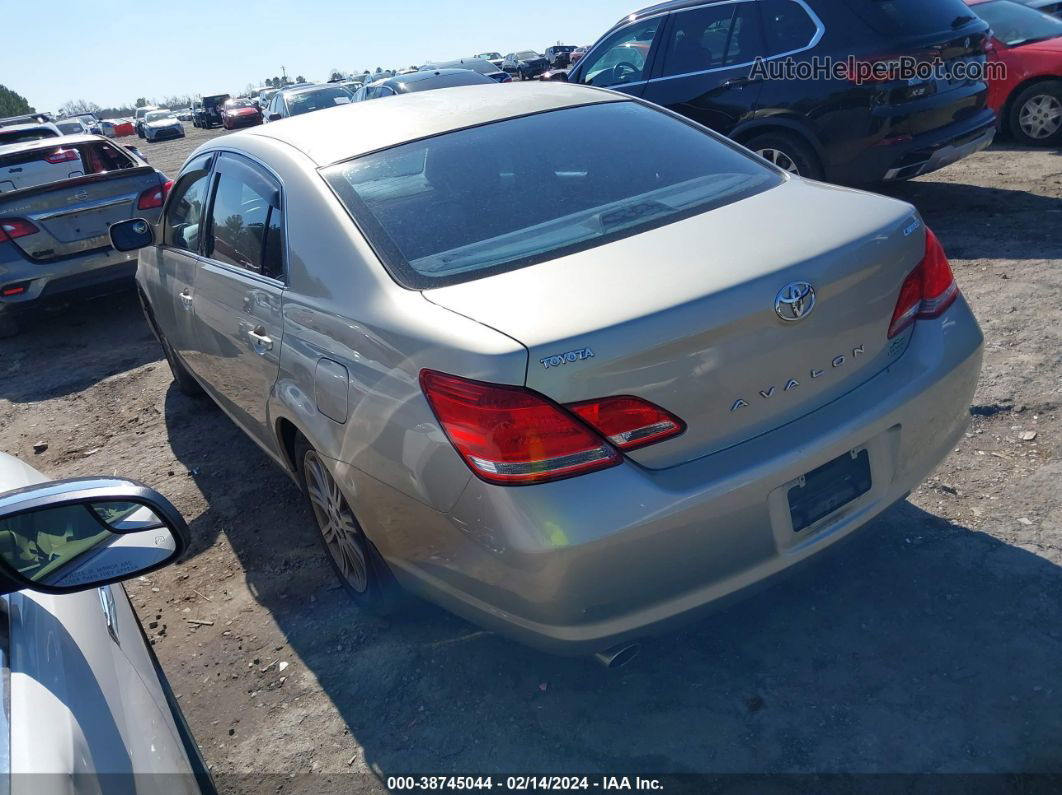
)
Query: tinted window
[
  {"x": 244, "y": 199},
  {"x": 1015, "y": 25},
  {"x": 787, "y": 26},
  {"x": 21, "y": 136},
  {"x": 322, "y": 98},
  {"x": 712, "y": 37},
  {"x": 471, "y": 202},
  {"x": 184, "y": 211},
  {"x": 621, "y": 58},
  {"x": 912, "y": 17}
]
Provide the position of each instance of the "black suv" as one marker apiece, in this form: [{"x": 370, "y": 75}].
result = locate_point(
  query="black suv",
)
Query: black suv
[
  {"x": 206, "y": 112},
  {"x": 706, "y": 59}
]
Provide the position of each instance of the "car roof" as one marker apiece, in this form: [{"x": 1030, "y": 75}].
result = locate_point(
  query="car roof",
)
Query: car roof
[
  {"x": 50, "y": 143},
  {"x": 480, "y": 65},
  {"x": 45, "y": 125},
  {"x": 346, "y": 131},
  {"x": 427, "y": 74}
]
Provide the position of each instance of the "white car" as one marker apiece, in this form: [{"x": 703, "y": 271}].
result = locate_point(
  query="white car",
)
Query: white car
[
  {"x": 73, "y": 127},
  {"x": 159, "y": 125},
  {"x": 86, "y": 695},
  {"x": 29, "y": 164}
]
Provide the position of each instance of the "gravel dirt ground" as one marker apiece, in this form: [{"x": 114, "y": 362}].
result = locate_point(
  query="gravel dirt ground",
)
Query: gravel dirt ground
[{"x": 929, "y": 643}]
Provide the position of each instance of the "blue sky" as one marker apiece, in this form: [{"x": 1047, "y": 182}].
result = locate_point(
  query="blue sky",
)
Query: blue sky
[{"x": 113, "y": 51}]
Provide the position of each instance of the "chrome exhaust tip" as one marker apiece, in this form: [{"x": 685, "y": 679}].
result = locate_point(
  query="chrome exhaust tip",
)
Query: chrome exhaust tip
[{"x": 618, "y": 656}]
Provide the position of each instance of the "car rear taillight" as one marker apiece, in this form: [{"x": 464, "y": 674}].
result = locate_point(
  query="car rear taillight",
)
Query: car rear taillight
[
  {"x": 927, "y": 291},
  {"x": 154, "y": 197},
  {"x": 11, "y": 228},
  {"x": 628, "y": 422},
  {"x": 511, "y": 435},
  {"x": 61, "y": 156}
]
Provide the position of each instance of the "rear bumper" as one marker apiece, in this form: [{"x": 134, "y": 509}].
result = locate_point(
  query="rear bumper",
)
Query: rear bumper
[
  {"x": 84, "y": 275},
  {"x": 923, "y": 153},
  {"x": 579, "y": 565}
]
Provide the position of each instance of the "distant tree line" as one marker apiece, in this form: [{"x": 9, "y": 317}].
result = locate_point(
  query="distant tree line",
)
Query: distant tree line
[{"x": 12, "y": 104}]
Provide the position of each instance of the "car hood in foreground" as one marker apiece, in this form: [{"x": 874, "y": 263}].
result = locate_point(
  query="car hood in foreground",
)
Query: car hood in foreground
[{"x": 686, "y": 315}]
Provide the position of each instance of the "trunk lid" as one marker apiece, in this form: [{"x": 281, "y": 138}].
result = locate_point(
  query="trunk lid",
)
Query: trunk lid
[
  {"x": 684, "y": 315},
  {"x": 74, "y": 215}
]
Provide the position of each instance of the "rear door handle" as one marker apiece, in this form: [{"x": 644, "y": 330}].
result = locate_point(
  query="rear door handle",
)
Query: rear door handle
[
  {"x": 739, "y": 82},
  {"x": 262, "y": 342}
]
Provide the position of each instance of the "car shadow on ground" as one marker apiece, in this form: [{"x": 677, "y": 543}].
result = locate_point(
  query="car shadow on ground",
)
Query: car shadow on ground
[
  {"x": 917, "y": 646},
  {"x": 1016, "y": 224},
  {"x": 64, "y": 349}
]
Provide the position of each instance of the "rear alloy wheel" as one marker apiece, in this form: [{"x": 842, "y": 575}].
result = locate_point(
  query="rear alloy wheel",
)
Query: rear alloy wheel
[
  {"x": 787, "y": 152},
  {"x": 353, "y": 557},
  {"x": 1036, "y": 114}
]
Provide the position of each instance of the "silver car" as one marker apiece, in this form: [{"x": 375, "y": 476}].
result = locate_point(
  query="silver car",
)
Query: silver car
[
  {"x": 87, "y": 707},
  {"x": 571, "y": 387}
]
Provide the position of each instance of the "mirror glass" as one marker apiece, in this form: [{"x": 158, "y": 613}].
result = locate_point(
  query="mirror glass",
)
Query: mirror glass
[
  {"x": 72, "y": 545},
  {"x": 132, "y": 234}
]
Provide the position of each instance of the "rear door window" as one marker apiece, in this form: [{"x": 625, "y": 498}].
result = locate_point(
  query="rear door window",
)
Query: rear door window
[
  {"x": 244, "y": 215},
  {"x": 712, "y": 37},
  {"x": 184, "y": 211},
  {"x": 787, "y": 26}
]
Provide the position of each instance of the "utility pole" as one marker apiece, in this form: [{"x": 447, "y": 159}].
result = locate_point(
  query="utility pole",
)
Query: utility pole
[{"x": 283, "y": 74}]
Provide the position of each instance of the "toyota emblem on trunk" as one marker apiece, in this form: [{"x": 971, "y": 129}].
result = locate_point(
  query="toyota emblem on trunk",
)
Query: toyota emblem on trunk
[{"x": 795, "y": 301}]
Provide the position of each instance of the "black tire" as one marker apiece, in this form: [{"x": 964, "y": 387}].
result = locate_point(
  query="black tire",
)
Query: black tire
[
  {"x": 523, "y": 75},
  {"x": 788, "y": 152},
  {"x": 1034, "y": 117},
  {"x": 355, "y": 560}
]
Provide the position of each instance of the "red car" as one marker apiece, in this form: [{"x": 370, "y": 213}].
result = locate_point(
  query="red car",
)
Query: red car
[
  {"x": 240, "y": 113},
  {"x": 1028, "y": 42}
]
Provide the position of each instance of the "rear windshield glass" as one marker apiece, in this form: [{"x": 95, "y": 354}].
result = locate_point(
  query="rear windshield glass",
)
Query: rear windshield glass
[
  {"x": 21, "y": 136},
  {"x": 469, "y": 203},
  {"x": 913, "y": 17},
  {"x": 1016, "y": 25},
  {"x": 320, "y": 99}
]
